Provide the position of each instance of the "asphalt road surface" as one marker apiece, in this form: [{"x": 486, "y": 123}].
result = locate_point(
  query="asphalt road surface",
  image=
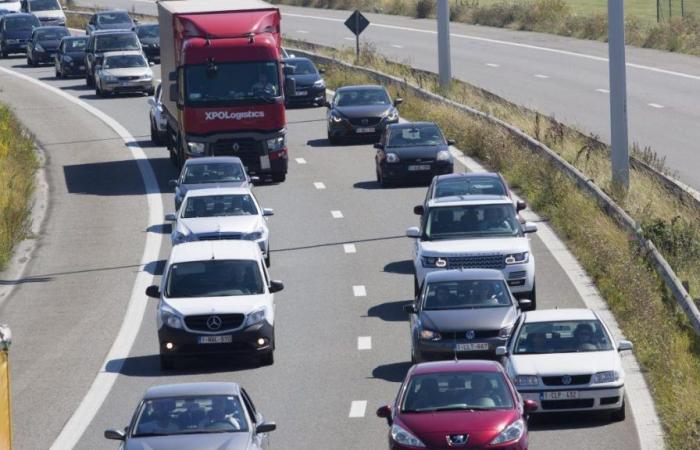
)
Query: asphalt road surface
[{"x": 68, "y": 308}]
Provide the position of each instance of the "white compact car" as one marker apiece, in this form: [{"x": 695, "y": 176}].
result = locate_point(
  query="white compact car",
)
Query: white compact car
[
  {"x": 475, "y": 232},
  {"x": 157, "y": 118},
  {"x": 567, "y": 360},
  {"x": 221, "y": 214},
  {"x": 216, "y": 298}
]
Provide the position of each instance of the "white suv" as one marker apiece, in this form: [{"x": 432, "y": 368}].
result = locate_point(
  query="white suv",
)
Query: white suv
[
  {"x": 215, "y": 298},
  {"x": 476, "y": 231}
]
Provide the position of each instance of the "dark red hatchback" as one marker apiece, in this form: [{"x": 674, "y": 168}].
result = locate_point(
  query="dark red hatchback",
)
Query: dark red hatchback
[{"x": 457, "y": 404}]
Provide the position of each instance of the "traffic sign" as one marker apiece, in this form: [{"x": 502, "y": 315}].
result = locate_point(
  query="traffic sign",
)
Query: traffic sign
[{"x": 357, "y": 23}]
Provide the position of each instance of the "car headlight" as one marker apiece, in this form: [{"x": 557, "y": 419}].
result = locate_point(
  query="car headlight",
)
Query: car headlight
[
  {"x": 518, "y": 258},
  {"x": 147, "y": 77},
  {"x": 255, "y": 317},
  {"x": 38, "y": 48},
  {"x": 392, "y": 158},
  {"x": 392, "y": 115},
  {"x": 443, "y": 155},
  {"x": 429, "y": 335},
  {"x": 67, "y": 59},
  {"x": 606, "y": 377},
  {"x": 402, "y": 436},
  {"x": 433, "y": 261},
  {"x": 275, "y": 144},
  {"x": 319, "y": 83},
  {"x": 512, "y": 432},
  {"x": 196, "y": 148},
  {"x": 254, "y": 236},
  {"x": 527, "y": 380},
  {"x": 169, "y": 317},
  {"x": 505, "y": 332},
  {"x": 336, "y": 118}
]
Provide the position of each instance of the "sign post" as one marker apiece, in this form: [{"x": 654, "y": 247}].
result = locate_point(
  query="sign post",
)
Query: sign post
[
  {"x": 618, "y": 95},
  {"x": 357, "y": 23},
  {"x": 444, "y": 57},
  {"x": 5, "y": 410}
]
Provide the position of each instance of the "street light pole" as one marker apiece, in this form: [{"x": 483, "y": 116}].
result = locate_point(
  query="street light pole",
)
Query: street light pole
[
  {"x": 444, "y": 63},
  {"x": 618, "y": 94}
]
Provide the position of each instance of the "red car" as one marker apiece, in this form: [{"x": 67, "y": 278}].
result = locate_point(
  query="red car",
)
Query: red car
[{"x": 457, "y": 404}]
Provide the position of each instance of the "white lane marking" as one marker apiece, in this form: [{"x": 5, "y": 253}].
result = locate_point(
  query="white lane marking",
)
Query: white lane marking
[
  {"x": 493, "y": 65},
  {"x": 350, "y": 39},
  {"x": 364, "y": 343},
  {"x": 539, "y": 75},
  {"x": 358, "y": 408},
  {"x": 319, "y": 185},
  {"x": 397, "y": 46},
  {"x": 513, "y": 44},
  {"x": 302, "y": 31},
  {"x": 89, "y": 406},
  {"x": 656, "y": 105},
  {"x": 349, "y": 248},
  {"x": 359, "y": 291},
  {"x": 604, "y": 91},
  {"x": 300, "y": 160},
  {"x": 337, "y": 214}
]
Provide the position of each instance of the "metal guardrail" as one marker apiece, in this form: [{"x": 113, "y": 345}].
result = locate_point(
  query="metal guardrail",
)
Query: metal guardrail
[{"x": 671, "y": 281}]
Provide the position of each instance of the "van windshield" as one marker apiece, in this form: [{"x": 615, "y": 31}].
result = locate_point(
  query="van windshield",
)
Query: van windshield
[{"x": 214, "y": 278}]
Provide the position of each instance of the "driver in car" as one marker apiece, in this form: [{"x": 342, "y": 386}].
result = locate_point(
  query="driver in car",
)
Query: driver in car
[
  {"x": 221, "y": 413},
  {"x": 263, "y": 85}
]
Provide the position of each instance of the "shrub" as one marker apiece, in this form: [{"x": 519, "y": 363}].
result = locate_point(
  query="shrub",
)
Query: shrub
[{"x": 425, "y": 8}]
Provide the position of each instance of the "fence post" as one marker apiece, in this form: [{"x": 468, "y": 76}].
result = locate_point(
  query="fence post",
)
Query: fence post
[{"x": 5, "y": 409}]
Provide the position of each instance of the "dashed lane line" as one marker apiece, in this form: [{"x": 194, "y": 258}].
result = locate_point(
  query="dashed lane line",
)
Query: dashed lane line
[
  {"x": 359, "y": 291},
  {"x": 349, "y": 248},
  {"x": 358, "y": 408},
  {"x": 364, "y": 343},
  {"x": 337, "y": 214}
]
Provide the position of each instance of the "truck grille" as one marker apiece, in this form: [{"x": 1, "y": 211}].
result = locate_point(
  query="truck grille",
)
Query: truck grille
[
  {"x": 477, "y": 262},
  {"x": 559, "y": 381},
  {"x": 228, "y": 322},
  {"x": 243, "y": 148},
  {"x": 366, "y": 121}
]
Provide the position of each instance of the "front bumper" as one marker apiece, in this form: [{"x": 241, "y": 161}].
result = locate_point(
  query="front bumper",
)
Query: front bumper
[
  {"x": 126, "y": 87},
  {"x": 402, "y": 171},
  {"x": 520, "y": 277},
  {"x": 446, "y": 348},
  {"x": 243, "y": 342},
  {"x": 310, "y": 95},
  {"x": 345, "y": 129},
  {"x": 589, "y": 399}
]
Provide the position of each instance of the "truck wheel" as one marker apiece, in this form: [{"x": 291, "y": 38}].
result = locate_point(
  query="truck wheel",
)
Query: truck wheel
[
  {"x": 267, "y": 359},
  {"x": 279, "y": 177},
  {"x": 167, "y": 362}
]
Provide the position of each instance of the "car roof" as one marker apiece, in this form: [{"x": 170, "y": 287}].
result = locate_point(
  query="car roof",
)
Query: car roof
[
  {"x": 208, "y": 250},
  {"x": 110, "y": 11},
  {"x": 563, "y": 314},
  {"x": 459, "y": 200},
  {"x": 456, "y": 366},
  {"x": 361, "y": 86},
  {"x": 213, "y": 159},
  {"x": 193, "y": 389},
  {"x": 467, "y": 175},
  {"x": 217, "y": 191},
  {"x": 123, "y": 53},
  {"x": 400, "y": 126},
  {"x": 463, "y": 275}
]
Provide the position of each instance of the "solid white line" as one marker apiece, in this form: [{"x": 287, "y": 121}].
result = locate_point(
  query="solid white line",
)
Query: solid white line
[
  {"x": 397, "y": 46},
  {"x": 349, "y": 248},
  {"x": 604, "y": 91},
  {"x": 358, "y": 408},
  {"x": 656, "y": 105},
  {"x": 359, "y": 291},
  {"x": 492, "y": 65},
  {"x": 350, "y": 39},
  {"x": 539, "y": 75},
  {"x": 513, "y": 44},
  {"x": 319, "y": 185},
  {"x": 337, "y": 214},
  {"x": 300, "y": 160},
  {"x": 364, "y": 343},
  {"x": 103, "y": 382},
  {"x": 302, "y": 31}
]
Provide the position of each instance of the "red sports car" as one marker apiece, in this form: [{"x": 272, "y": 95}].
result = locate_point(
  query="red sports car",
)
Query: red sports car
[{"x": 457, "y": 404}]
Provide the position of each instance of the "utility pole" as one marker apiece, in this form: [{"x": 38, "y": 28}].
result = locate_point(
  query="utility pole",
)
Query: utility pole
[
  {"x": 444, "y": 57},
  {"x": 658, "y": 11},
  {"x": 618, "y": 94},
  {"x": 670, "y": 8}
]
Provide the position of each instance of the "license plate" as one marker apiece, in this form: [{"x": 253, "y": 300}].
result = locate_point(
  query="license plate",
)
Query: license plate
[
  {"x": 366, "y": 130},
  {"x": 215, "y": 339},
  {"x": 419, "y": 167},
  {"x": 476, "y": 347},
  {"x": 560, "y": 395},
  {"x": 301, "y": 93},
  {"x": 81, "y": 68}
]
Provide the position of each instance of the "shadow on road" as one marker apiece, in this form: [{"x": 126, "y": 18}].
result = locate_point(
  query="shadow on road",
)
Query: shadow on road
[
  {"x": 149, "y": 366},
  {"x": 401, "y": 267},
  {"x": 163, "y": 228},
  {"x": 394, "y": 372},
  {"x": 116, "y": 177},
  {"x": 369, "y": 185},
  {"x": 390, "y": 311},
  {"x": 567, "y": 421}
]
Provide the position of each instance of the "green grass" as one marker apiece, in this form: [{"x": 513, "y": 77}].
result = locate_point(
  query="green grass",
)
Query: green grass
[{"x": 18, "y": 164}]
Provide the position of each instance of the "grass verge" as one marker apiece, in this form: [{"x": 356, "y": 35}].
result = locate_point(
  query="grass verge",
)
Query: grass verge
[
  {"x": 635, "y": 294},
  {"x": 18, "y": 164}
]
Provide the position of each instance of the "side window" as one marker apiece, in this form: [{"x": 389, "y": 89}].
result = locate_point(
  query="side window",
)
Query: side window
[{"x": 249, "y": 406}]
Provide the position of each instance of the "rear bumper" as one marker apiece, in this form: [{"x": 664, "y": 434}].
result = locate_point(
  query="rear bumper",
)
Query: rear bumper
[
  {"x": 243, "y": 342},
  {"x": 20, "y": 47},
  {"x": 589, "y": 399},
  {"x": 400, "y": 171},
  {"x": 313, "y": 95}
]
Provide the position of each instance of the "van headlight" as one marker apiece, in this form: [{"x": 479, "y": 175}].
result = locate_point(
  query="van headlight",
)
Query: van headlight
[
  {"x": 196, "y": 148},
  {"x": 319, "y": 84},
  {"x": 512, "y": 432},
  {"x": 430, "y": 335},
  {"x": 393, "y": 115},
  {"x": 443, "y": 155},
  {"x": 518, "y": 258},
  {"x": 336, "y": 118},
  {"x": 169, "y": 317},
  {"x": 392, "y": 158},
  {"x": 255, "y": 317},
  {"x": 606, "y": 377},
  {"x": 275, "y": 144}
]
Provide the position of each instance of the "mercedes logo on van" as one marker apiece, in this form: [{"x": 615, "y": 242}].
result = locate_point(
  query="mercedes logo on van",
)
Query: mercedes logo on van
[
  {"x": 566, "y": 379},
  {"x": 454, "y": 440},
  {"x": 471, "y": 334},
  {"x": 214, "y": 323}
]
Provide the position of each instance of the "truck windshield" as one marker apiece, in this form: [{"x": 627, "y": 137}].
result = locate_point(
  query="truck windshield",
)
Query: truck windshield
[{"x": 250, "y": 82}]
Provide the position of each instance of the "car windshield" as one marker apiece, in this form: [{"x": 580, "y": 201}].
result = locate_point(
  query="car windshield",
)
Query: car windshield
[
  {"x": 220, "y": 205},
  {"x": 450, "y": 222},
  {"x": 421, "y": 135},
  {"x": 190, "y": 415},
  {"x": 465, "y": 294},
  {"x": 44, "y": 5},
  {"x": 124, "y": 62},
  {"x": 214, "y": 278},
  {"x": 75, "y": 45},
  {"x": 302, "y": 66},
  {"x": 147, "y": 31},
  {"x": 469, "y": 186},
  {"x": 51, "y": 35},
  {"x": 21, "y": 23},
  {"x": 362, "y": 97},
  {"x": 117, "y": 42},
  {"x": 113, "y": 18},
  {"x": 250, "y": 82},
  {"x": 214, "y": 173},
  {"x": 456, "y": 391},
  {"x": 562, "y": 337}
]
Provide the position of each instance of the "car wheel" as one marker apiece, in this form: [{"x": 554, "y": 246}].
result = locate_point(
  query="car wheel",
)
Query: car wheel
[
  {"x": 414, "y": 359},
  {"x": 167, "y": 362},
  {"x": 173, "y": 156},
  {"x": 267, "y": 359},
  {"x": 383, "y": 181},
  {"x": 155, "y": 137},
  {"x": 29, "y": 61},
  {"x": 533, "y": 297},
  {"x": 99, "y": 91},
  {"x": 619, "y": 414},
  {"x": 279, "y": 177}
]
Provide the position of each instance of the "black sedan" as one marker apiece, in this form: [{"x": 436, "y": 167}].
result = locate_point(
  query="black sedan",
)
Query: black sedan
[
  {"x": 70, "y": 57},
  {"x": 149, "y": 36},
  {"x": 310, "y": 86},
  {"x": 413, "y": 152},
  {"x": 360, "y": 112},
  {"x": 43, "y": 45}
]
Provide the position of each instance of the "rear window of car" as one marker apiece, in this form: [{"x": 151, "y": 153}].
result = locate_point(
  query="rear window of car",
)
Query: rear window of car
[{"x": 469, "y": 186}]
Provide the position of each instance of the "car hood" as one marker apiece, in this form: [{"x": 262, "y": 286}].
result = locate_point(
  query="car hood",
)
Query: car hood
[
  {"x": 424, "y": 151},
  {"x": 552, "y": 364},
  {"x": 184, "y": 188},
  {"x": 306, "y": 80},
  {"x": 469, "y": 319},
  {"x": 354, "y": 112},
  {"x": 481, "y": 426},
  {"x": 128, "y": 72},
  {"x": 213, "y": 441},
  {"x": 52, "y": 14},
  {"x": 51, "y": 44},
  {"x": 490, "y": 246},
  {"x": 223, "y": 224},
  {"x": 234, "y": 304}
]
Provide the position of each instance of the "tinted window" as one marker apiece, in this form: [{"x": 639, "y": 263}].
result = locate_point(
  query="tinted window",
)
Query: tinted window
[
  {"x": 469, "y": 186},
  {"x": 113, "y": 18},
  {"x": 456, "y": 391},
  {"x": 117, "y": 42},
  {"x": 422, "y": 135},
  {"x": 75, "y": 45},
  {"x": 21, "y": 23},
  {"x": 214, "y": 278},
  {"x": 359, "y": 97},
  {"x": 124, "y": 62},
  {"x": 51, "y": 35},
  {"x": 245, "y": 82},
  {"x": 220, "y": 205},
  {"x": 191, "y": 415},
  {"x": 43, "y": 5},
  {"x": 466, "y": 294},
  {"x": 472, "y": 220},
  {"x": 302, "y": 67},
  {"x": 147, "y": 31},
  {"x": 562, "y": 337},
  {"x": 214, "y": 173}
]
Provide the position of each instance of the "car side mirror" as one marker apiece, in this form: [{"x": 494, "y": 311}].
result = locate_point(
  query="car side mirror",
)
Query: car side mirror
[
  {"x": 379, "y": 146},
  {"x": 418, "y": 210},
  {"x": 288, "y": 70},
  {"x": 624, "y": 346},
  {"x": 116, "y": 435},
  {"x": 525, "y": 303},
  {"x": 151, "y": 101},
  {"x": 529, "y": 227},
  {"x": 451, "y": 142},
  {"x": 153, "y": 291},
  {"x": 276, "y": 286},
  {"x": 136, "y": 21},
  {"x": 266, "y": 427},
  {"x": 170, "y": 217},
  {"x": 501, "y": 351},
  {"x": 410, "y": 309},
  {"x": 413, "y": 232},
  {"x": 384, "y": 412},
  {"x": 172, "y": 183},
  {"x": 172, "y": 76},
  {"x": 290, "y": 87},
  {"x": 530, "y": 406},
  {"x": 398, "y": 101},
  {"x": 268, "y": 212},
  {"x": 520, "y": 205}
]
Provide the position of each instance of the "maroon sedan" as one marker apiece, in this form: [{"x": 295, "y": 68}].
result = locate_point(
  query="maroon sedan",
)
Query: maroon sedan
[{"x": 457, "y": 404}]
